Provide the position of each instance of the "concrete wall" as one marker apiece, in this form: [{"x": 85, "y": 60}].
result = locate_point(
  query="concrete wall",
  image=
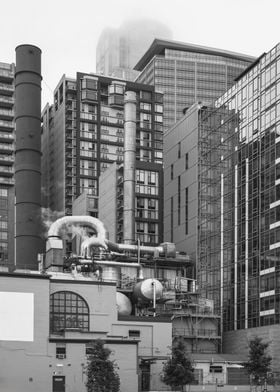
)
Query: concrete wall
[
  {"x": 107, "y": 208},
  {"x": 25, "y": 364},
  {"x": 101, "y": 299},
  {"x": 185, "y": 132},
  {"x": 238, "y": 342}
]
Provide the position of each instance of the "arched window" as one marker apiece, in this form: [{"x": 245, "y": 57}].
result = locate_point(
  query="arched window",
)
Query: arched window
[{"x": 68, "y": 310}]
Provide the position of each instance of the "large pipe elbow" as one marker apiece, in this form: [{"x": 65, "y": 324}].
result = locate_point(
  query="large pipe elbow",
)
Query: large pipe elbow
[{"x": 84, "y": 220}]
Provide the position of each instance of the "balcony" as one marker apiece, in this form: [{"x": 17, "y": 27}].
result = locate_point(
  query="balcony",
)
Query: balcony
[
  {"x": 70, "y": 86},
  {"x": 6, "y": 89},
  {"x": 7, "y": 148},
  {"x": 6, "y": 125},
  {"x": 6, "y": 75},
  {"x": 6, "y": 181},
  {"x": 6, "y": 137},
  {"x": 6, "y": 159},
  {"x": 6, "y": 102},
  {"x": 89, "y": 96},
  {"x": 146, "y": 214},
  {"x": 7, "y": 171},
  {"x": 116, "y": 100},
  {"x": 6, "y": 114}
]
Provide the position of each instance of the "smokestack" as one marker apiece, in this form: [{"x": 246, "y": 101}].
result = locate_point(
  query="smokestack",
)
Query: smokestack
[
  {"x": 129, "y": 167},
  {"x": 28, "y": 156}
]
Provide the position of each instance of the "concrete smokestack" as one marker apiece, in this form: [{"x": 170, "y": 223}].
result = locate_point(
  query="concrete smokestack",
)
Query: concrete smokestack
[
  {"x": 129, "y": 167},
  {"x": 28, "y": 156}
]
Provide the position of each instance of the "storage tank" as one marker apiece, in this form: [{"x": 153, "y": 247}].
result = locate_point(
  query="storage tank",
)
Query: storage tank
[
  {"x": 146, "y": 289},
  {"x": 111, "y": 274},
  {"x": 123, "y": 304}
]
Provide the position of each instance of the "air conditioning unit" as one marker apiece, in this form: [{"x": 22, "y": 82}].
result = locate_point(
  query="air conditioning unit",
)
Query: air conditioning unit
[{"x": 60, "y": 356}]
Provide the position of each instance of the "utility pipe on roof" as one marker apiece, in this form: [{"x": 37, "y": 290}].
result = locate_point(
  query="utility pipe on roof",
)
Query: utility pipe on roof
[{"x": 129, "y": 167}]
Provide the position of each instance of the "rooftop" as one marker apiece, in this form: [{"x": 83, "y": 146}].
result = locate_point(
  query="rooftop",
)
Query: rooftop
[{"x": 158, "y": 46}]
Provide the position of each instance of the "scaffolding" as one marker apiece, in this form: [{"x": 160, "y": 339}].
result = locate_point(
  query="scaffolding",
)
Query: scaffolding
[{"x": 216, "y": 145}]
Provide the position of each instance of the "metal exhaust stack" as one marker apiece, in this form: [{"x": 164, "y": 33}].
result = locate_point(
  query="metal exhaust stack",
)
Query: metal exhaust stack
[
  {"x": 28, "y": 156},
  {"x": 129, "y": 167}
]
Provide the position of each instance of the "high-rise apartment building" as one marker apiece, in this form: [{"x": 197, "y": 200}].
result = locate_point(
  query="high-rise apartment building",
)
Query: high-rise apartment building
[
  {"x": 83, "y": 134},
  {"x": 188, "y": 73},
  {"x": 7, "y": 149},
  {"x": 119, "y": 49},
  {"x": 237, "y": 189}
]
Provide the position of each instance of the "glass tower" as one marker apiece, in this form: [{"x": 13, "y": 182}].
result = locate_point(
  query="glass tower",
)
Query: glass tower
[{"x": 188, "y": 73}]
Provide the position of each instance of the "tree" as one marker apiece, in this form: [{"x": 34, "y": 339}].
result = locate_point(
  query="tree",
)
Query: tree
[
  {"x": 259, "y": 362},
  {"x": 101, "y": 371},
  {"x": 178, "y": 370}
]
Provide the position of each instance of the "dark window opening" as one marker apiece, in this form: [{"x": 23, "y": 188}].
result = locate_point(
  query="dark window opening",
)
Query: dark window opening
[{"x": 133, "y": 333}]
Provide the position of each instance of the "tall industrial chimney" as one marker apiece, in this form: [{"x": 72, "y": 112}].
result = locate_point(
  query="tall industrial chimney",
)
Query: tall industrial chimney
[
  {"x": 129, "y": 167},
  {"x": 28, "y": 156}
]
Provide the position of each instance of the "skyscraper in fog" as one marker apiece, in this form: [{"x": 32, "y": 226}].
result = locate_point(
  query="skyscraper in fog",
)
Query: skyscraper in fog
[
  {"x": 118, "y": 50},
  {"x": 188, "y": 73}
]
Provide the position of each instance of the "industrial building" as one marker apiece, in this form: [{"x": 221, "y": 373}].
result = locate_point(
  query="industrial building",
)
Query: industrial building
[
  {"x": 228, "y": 175},
  {"x": 188, "y": 73},
  {"x": 119, "y": 49},
  {"x": 51, "y": 321},
  {"x": 83, "y": 134},
  {"x": 135, "y": 297},
  {"x": 7, "y": 149}
]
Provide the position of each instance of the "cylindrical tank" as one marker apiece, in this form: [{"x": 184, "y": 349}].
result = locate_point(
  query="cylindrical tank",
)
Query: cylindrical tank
[
  {"x": 123, "y": 304},
  {"x": 145, "y": 290},
  {"x": 28, "y": 241},
  {"x": 129, "y": 167},
  {"x": 111, "y": 274}
]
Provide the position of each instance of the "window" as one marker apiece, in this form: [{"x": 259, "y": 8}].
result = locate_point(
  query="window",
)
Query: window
[
  {"x": 89, "y": 349},
  {"x": 186, "y": 161},
  {"x": 186, "y": 211},
  {"x": 171, "y": 220},
  {"x": 68, "y": 310},
  {"x": 179, "y": 150},
  {"x": 172, "y": 172},
  {"x": 133, "y": 333},
  {"x": 146, "y": 95},
  {"x": 158, "y": 108},
  {"x": 179, "y": 200},
  {"x": 60, "y": 351},
  {"x": 145, "y": 106}
]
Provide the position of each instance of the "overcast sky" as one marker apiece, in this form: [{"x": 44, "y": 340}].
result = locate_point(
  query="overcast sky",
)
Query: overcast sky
[{"x": 67, "y": 31}]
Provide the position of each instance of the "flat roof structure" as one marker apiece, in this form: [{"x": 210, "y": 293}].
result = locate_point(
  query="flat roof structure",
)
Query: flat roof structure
[{"x": 159, "y": 45}]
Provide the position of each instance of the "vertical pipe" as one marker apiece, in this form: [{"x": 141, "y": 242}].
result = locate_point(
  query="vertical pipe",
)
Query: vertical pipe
[
  {"x": 28, "y": 156},
  {"x": 235, "y": 243},
  {"x": 129, "y": 167},
  {"x": 222, "y": 252},
  {"x": 246, "y": 240}
]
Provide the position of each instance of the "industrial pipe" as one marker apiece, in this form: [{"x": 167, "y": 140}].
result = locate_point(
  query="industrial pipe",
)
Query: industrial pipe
[
  {"x": 167, "y": 248},
  {"x": 84, "y": 220},
  {"x": 129, "y": 167}
]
